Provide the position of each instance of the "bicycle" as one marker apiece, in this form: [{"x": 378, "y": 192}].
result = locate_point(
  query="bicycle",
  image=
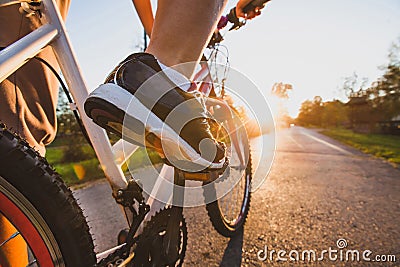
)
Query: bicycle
[{"x": 36, "y": 201}]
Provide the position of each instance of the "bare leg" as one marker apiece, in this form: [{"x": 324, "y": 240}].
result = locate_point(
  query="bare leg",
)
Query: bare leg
[{"x": 182, "y": 29}]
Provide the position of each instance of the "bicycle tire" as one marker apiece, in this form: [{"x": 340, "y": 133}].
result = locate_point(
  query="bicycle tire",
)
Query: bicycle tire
[
  {"x": 222, "y": 225},
  {"x": 31, "y": 189}
]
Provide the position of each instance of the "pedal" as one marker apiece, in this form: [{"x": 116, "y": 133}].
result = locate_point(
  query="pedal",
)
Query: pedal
[
  {"x": 206, "y": 176},
  {"x": 198, "y": 176}
]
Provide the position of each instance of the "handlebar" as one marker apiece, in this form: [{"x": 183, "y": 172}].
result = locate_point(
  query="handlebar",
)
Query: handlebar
[
  {"x": 252, "y": 6},
  {"x": 255, "y": 4},
  {"x": 233, "y": 18}
]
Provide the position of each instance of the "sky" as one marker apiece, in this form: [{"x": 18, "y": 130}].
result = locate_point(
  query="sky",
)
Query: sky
[{"x": 311, "y": 44}]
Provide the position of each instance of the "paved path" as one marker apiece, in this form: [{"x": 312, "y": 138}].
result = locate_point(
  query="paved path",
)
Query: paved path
[{"x": 318, "y": 191}]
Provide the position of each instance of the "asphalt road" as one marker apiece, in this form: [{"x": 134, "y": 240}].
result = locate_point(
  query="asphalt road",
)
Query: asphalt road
[{"x": 317, "y": 192}]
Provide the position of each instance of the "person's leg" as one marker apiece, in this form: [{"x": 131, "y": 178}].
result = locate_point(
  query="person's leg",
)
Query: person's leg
[
  {"x": 28, "y": 99},
  {"x": 182, "y": 29},
  {"x": 180, "y": 34}
]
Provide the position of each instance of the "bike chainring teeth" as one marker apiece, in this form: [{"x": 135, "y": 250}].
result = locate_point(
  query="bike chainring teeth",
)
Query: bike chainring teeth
[
  {"x": 149, "y": 249},
  {"x": 113, "y": 259}
]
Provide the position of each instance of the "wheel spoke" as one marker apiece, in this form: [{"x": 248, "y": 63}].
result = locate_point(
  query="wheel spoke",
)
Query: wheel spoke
[
  {"x": 32, "y": 262},
  {"x": 239, "y": 186},
  {"x": 231, "y": 211},
  {"x": 9, "y": 239},
  {"x": 227, "y": 200}
]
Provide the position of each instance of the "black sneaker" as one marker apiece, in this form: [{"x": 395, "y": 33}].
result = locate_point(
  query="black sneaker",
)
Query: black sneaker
[{"x": 142, "y": 105}]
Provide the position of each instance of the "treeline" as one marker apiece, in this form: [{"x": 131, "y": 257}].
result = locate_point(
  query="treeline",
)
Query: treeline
[
  {"x": 322, "y": 114},
  {"x": 368, "y": 109}
]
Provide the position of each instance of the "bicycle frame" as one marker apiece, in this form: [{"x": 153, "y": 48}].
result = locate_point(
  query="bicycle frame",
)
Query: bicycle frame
[
  {"x": 111, "y": 157},
  {"x": 53, "y": 33}
]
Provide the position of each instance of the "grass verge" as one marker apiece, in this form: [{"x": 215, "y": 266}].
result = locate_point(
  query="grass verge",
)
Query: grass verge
[
  {"x": 382, "y": 146},
  {"x": 75, "y": 172}
]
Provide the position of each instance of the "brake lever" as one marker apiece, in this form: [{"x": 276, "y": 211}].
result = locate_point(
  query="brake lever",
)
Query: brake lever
[
  {"x": 237, "y": 23},
  {"x": 232, "y": 18},
  {"x": 252, "y": 6}
]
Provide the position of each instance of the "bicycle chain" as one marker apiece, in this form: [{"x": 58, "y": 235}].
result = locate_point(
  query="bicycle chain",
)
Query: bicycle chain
[
  {"x": 146, "y": 245},
  {"x": 113, "y": 259},
  {"x": 155, "y": 230}
]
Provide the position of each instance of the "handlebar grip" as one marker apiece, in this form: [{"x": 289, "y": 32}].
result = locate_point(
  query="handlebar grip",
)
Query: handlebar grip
[
  {"x": 233, "y": 18},
  {"x": 255, "y": 4}
]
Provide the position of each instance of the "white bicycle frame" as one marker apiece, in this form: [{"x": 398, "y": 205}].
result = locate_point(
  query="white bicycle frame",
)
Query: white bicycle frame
[
  {"x": 111, "y": 157},
  {"x": 53, "y": 33}
]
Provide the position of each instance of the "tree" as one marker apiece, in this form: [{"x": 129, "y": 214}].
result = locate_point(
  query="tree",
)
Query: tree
[
  {"x": 310, "y": 112},
  {"x": 366, "y": 107},
  {"x": 306, "y": 113},
  {"x": 66, "y": 122},
  {"x": 281, "y": 90},
  {"x": 353, "y": 86},
  {"x": 334, "y": 114},
  {"x": 322, "y": 114},
  {"x": 394, "y": 53},
  {"x": 381, "y": 101},
  {"x": 69, "y": 130},
  {"x": 385, "y": 95}
]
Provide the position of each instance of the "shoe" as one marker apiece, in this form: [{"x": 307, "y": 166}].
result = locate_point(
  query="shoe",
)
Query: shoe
[{"x": 142, "y": 105}]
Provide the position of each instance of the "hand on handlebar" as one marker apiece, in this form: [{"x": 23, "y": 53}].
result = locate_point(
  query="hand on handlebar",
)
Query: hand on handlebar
[{"x": 240, "y": 10}]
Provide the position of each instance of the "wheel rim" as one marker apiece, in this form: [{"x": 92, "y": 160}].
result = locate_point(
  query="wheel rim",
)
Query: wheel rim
[
  {"x": 30, "y": 225},
  {"x": 233, "y": 205}
]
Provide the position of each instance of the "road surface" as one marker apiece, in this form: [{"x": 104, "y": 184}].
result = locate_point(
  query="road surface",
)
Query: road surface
[{"x": 318, "y": 192}]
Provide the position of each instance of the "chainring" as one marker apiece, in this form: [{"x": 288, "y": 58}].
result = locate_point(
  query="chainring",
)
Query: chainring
[
  {"x": 114, "y": 259},
  {"x": 149, "y": 249}
]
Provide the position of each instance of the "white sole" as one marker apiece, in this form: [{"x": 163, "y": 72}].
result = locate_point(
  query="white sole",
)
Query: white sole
[{"x": 171, "y": 141}]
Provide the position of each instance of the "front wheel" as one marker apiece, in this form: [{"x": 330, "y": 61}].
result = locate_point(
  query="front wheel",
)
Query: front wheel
[
  {"x": 231, "y": 192},
  {"x": 38, "y": 214},
  {"x": 229, "y": 213}
]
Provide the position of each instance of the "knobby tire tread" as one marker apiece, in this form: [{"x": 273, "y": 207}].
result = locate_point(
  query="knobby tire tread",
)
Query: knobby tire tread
[{"x": 43, "y": 187}]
